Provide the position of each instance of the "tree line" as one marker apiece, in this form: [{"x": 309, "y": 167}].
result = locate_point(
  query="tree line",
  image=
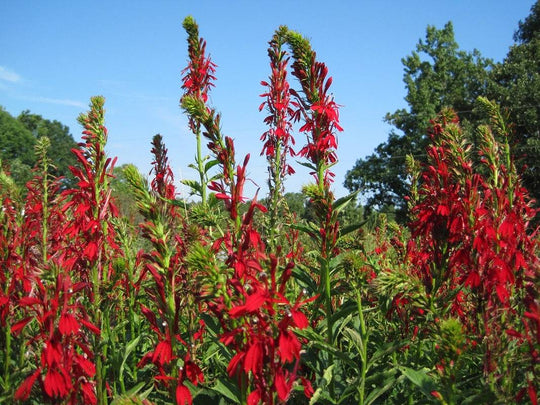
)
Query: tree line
[
  {"x": 438, "y": 74},
  {"x": 18, "y": 138}
]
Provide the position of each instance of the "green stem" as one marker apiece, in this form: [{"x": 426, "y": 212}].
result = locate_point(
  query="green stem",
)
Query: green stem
[
  {"x": 101, "y": 392},
  {"x": 275, "y": 193},
  {"x": 200, "y": 166},
  {"x": 325, "y": 279},
  {"x": 363, "y": 355},
  {"x": 45, "y": 219},
  {"x": 7, "y": 356},
  {"x": 243, "y": 389}
]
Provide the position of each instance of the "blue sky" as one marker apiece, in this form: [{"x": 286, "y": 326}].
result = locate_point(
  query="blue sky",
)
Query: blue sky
[{"x": 55, "y": 55}]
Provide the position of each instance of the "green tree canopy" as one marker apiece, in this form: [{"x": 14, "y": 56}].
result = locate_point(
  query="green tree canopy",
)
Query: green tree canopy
[
  {"x": 16, "y": 147},
  {"x": 61, "y": 140},
  {"x": 437, "y": 74},
  {"x": 18, "y": 137},
  {"x": 516, "y": 87}
]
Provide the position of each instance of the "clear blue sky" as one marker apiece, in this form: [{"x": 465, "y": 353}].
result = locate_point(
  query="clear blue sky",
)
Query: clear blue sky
[{"x": 55, "y": 55}]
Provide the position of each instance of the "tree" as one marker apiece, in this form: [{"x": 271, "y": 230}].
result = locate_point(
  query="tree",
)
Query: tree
[
  {"x": 16, "y": 148},
  {"x": 61, "y": 141},
  {"x": 437, "y": 74},
  {"x": 18, "y": 137},
  {"x": 516, "y": 86}
]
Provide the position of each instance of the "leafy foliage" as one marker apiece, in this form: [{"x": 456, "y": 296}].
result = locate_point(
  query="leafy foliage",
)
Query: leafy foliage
[
  {"x": 293, "y": 298},
  {"x": 437, "y": 74},
  {"x": 18, "y": 137},
  {"x": 516, "y": 86}
]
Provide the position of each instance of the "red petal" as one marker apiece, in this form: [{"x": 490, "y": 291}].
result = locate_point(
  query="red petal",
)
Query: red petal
[
  {"x": 23, "y": 392},
  {"x": 91, "y": 327},
  {"x": 163, "y": 353},
  {"x": 299, "y": 319},
  {"x": 68, "y": 324},
  {"x": 232, "y": 368},
  {"x": 255, "y": 301},
  {"x": 253, "y": 360},
  {"x": 183, "y": 396},
  {"x": 308, "y": 388},
  {"x": 254, "y": 398},
  {"x": 56, "y": 385},
  {"x": 89, "y": 393},
  {"x": 86, "y": 365},
  {"x": 18, "y": 327},
  {"x": 193, "y": 372},
  {"x": 283, "y": 389},
  {"x": 532, "y": 393},
  {"x": 289, "y": 346}
]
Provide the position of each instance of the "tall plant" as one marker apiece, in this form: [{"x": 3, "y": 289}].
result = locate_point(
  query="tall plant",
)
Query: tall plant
[
  {"x": 170, "y": 311},
  {"x": 256, "y": 315},
  {"x": 472, "y": 248},
  {"x": 92, "y": 246}
]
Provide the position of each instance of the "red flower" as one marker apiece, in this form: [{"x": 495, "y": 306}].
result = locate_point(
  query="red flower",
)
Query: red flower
[
  {"x": 23, "y": 392},
  {"x": 68, "y": 324},
  {"x": 254, "y": 357},
  {"x": 254, "y": 397},
  {"x": 57, "y": 384},
  {"x": 283, "y": 387},
  {"x": 199, "y": 73},
  {"x": 289, "y": 346},
  {"x": 163, "y": 353},
  {"x": 183, "y": 395}
]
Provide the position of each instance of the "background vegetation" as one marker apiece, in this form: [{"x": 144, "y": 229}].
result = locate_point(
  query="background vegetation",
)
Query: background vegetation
[{"x": 116, "y": 290}]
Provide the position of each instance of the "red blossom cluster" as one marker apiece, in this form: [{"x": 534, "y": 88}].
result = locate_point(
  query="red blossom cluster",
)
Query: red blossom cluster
[
  {"x": 199, "y": 73},
  {"x": 278, "y": 139},
  {"x": 65, "y": 366},
  {"x": 90, "y": 203},
  {"x": 471, "y": 245},
  {"x": 170, "y": 289},
  {"x": 253, "y": 307},
  {"x": 260, "y": 321},
  {"x": 471, "y": 228},
  {"x": 320, "y": 114},
  {"x": 67, "y": 259}
]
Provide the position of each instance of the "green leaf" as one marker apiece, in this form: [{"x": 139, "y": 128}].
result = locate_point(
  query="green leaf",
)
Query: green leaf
[
  {"x": 305, "y": 278},
  {"x": 129, "y": 348},
  {"x": 344, "y": 314},
  {"x": 342, "y": 202},
  {"x": 336, "y": 263},
  {"x": 327, "y": 377},
  {"x": 210, "y": 164},
  {"x": 421, "y": 379},
  {"x": 351, "y": 228},
  {"x": 310, "y": 229},
  {"x": 308, "y": 165},
  {"x": 134, "y": 392},
  {"x": 176, "y": 203},
  {"x": 318, "y": 341},
  {"x": 215, "y": 177},
  {"x": 356, "y": 339},
  {"x": 193, "y": 184},
  {"x": 390, "y": 379},
  {"x": 227, "y": 389}
]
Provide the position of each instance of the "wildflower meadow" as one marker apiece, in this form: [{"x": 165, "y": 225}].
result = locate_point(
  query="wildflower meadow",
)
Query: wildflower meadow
[{"x": 234, "y": 299}]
